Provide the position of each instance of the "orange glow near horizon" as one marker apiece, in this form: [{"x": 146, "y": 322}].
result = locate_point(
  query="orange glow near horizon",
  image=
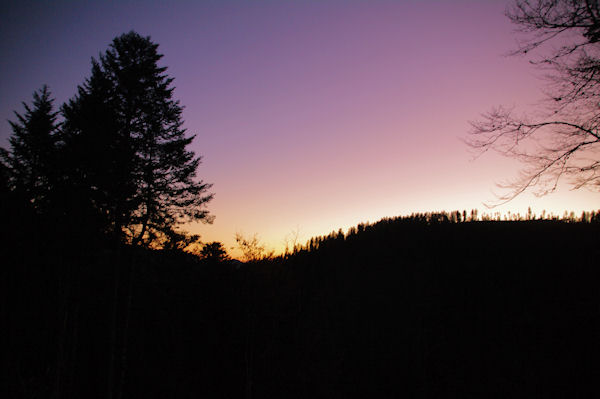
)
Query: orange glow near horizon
[{"x": 311, "y": 116}]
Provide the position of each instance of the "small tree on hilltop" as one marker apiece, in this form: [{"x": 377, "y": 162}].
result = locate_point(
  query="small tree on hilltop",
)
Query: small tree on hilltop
[
  {"x": 214, "y": 252},
  {"x": 252, "y": 249}
]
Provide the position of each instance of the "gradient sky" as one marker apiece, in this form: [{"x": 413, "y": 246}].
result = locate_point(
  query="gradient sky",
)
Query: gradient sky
[{"x": 310, "y": 115}]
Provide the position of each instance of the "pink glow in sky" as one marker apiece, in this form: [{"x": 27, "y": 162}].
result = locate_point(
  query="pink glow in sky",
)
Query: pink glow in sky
[{"x": 310, "y": 115}]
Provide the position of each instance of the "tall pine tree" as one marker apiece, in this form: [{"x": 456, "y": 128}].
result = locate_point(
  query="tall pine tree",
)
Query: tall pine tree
[
  {"x": 141, "y": 172},
  {"x": 32, "y": 154},
  {"x": 98, "y": 158}
]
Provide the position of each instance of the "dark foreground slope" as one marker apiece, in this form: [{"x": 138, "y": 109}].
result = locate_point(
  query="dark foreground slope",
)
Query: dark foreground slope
[{"x": 398, "y": 309}]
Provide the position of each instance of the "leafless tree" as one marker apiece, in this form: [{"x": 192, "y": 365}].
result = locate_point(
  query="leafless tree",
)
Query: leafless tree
[
  {"x": 291, "y": 241},
  {"x": 252, "y": 249},
  {"x": 561, "y": 139}
]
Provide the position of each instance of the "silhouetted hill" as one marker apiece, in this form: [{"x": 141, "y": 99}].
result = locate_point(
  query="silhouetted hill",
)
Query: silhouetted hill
[{"x": 418, "y": 307}]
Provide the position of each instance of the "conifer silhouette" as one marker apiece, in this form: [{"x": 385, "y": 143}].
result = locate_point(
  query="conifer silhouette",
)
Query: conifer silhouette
[
  {"x": 30, "y": 159},
  {"x": 141, "y": 175}
]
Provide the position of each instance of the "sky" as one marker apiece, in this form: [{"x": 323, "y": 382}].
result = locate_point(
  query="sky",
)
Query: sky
[{"x": 310, "y": 115}]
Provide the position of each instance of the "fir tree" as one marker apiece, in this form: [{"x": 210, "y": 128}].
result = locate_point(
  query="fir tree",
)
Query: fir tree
[
  {"x": 31, "y": 158},
  {"x": 142, "y": 174},
  {"x": 98, "y": 157},
  {"x": 32, "y": 149}
]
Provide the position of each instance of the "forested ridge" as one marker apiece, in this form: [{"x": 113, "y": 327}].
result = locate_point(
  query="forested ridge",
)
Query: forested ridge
[
  {"x": 421, "y": 306},
  {"x": 105, "y": 295}
]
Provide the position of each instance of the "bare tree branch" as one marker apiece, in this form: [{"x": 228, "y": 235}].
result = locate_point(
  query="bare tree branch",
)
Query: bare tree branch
[{"x": 564, "y": 141}]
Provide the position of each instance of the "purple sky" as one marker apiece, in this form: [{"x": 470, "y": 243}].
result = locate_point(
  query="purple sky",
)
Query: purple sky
[{"x": 310, "y": 115}]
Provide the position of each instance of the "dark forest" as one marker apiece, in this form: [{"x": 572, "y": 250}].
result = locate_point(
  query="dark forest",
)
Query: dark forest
[
  {"x": 106, "y": 295},
  {"x": 420, "y": 306}
]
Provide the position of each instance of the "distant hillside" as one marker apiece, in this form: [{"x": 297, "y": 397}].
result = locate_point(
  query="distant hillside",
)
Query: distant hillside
[{"x": 422, "y": 306}]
